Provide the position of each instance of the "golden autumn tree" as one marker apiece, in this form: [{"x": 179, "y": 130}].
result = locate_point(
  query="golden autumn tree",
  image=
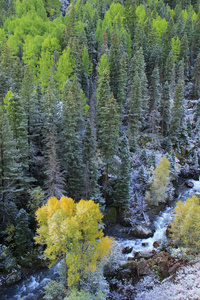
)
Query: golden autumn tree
[
  {"x": 71, "y": 230},
  {"x": 185, "y": 227},
  {"x": 160, "y": 183}
]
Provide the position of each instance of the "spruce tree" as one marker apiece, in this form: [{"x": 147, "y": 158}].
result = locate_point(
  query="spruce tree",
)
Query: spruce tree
[
  {"x": 3, "y": 88},
  {"x": 54, "y": 182},
  {"x": 22, "y": 235},
  {"x": 122, "y": 191},
  {"x": 165, "y": 109},
  {"x": 17, "y": 76},
  {"x": 178, "y": 126},
  {"x": 184, "y": 52},
  {"x": 135, "y": 104},
  {"x": 108, "y": 134},
  {"x": 114, "y": 62},
  {"x": 123, "y": 80},
  {"x": 7, "y": 64},
  {"x": 130, "y": 17},
  {"x": 92, "y": 188},
  {"x": 155, "y": 103},
  {"x": 72, "y": 127},
  {"x": 10, "y": 172},
  {"x": 18, "y": 122}
]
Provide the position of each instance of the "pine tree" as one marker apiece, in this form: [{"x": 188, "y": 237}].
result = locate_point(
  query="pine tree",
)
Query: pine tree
[
  {"x": 72, "y": 127},
  {"x": 122, "y": 191},
  {"x": 3, "y": 88},
  {"x": 108, "y": 133},
  {"x": 18, "y": 122},
  {"x": 10, "y": 173},
  {"x": 114, "y": 62},
  {"x": 92, "y": 188},
  {"x": 7, "y": 64},
  {"x": 123, "y": 80},
  {"x": 22, "y": 235},
  {"x": 138, "y": 92},
  {"x": 26, "y": 96},
  {"x": 54, "y": 182},
  {"x": 166, "y": 45},
  {"x": 135, "y": 104},
  {"x": 165, "y": 109},
  {"x": 155, "y": 103},
  {"x": 103, "y": 94},
  {"x": 184, "y": 52},
  {"x": 130, "y": 17},
  {"x": 17, "y": 76},
  {"x": 168, "y": 68},
  {"x": 178, "y": 128}
]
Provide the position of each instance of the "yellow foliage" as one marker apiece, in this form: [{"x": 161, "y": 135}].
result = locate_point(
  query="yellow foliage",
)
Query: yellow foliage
[
  {"x": 72, "y": 229},
  {"x": 160, "y": 182},
  {"x": 186, "y": 224}
]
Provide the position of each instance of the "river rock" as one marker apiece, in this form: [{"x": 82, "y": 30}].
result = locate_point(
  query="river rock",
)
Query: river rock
[
  {"x": 156, "y": 244},
  {"x": 189, "y": 184},
  {"x": 137, "y": 255},
  {"x": 131, "y": 258},
  {"x": 143, "y": 268},
  {"x": 127, "y": 250},
  {"x": 141, "y": 232},
  {"x": 15, "y": 276},
  {"x": 145, "y": 244}
]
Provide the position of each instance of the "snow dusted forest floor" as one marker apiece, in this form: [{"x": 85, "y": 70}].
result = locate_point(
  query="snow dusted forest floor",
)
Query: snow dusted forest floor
[{"x": 184, "y": 286}]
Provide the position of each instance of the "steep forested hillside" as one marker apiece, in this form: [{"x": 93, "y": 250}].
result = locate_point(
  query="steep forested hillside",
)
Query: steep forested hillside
[{"x": 98, "y": 100}]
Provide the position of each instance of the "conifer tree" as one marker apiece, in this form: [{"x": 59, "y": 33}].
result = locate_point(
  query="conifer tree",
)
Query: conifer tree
[
  {"x": 72, "y": 126},
  {"x": 103, "y": 94},
  {"x": 10, "y": 173},
  {"x": 165, "y": 109},
  {"x": 168, "y": 68},
  {"x": 130, "y": 17},
  {"x": 17, "y": 76},
  {"x": 138, "y": 92},
  {"x": 135, "y": 104},
  {"x": 92, "y": 188},
  {"x": 155, "y": 103},
  {"x": 108, "y": 132},
  {"x": 122, "y": 191},
  {"x": 122, "y": 80},
  {"x": 22, "y": 235},
  {"x": 178, "y": 126},
  {"x": 114, "y": 62},
  {"x": 3, "y": 88},
  {"x": 166, "y": 44},
  {"x": 54, "y": 182},
  {"x": 18, "y": 122},
  {"x": 184, "y": 52},
  {"x": 7, "y": 64}
]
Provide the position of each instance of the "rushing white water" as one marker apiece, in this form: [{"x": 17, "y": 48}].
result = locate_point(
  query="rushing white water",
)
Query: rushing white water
[
  {"x": 32, "y": 287},
  {"x": 145, "y": 246}
]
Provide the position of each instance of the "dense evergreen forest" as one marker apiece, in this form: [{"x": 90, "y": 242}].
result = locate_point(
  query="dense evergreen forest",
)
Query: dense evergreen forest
[{"x": 98, "y": 100}]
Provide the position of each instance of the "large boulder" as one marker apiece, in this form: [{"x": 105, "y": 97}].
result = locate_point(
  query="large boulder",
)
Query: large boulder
[
  {"x": 127, "y": 250},
  {"x": 141, "y": 231},
  {"x": 189, "y": 184}
]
